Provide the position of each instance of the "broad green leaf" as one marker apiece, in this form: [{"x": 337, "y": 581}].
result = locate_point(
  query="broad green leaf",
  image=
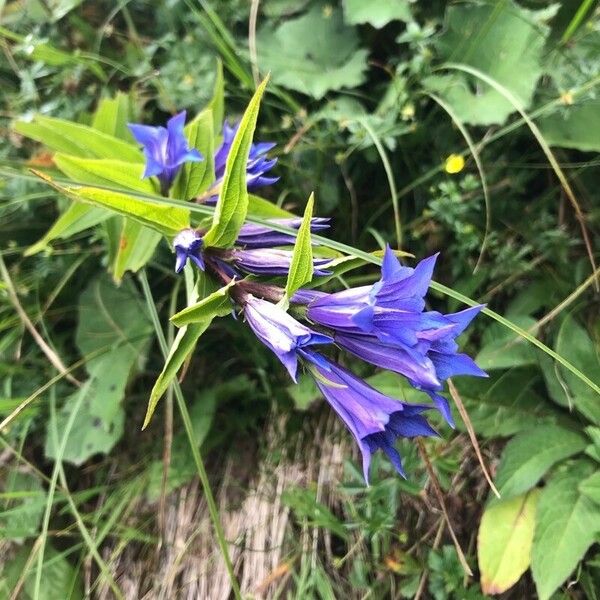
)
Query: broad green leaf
[
  {"x": 136, "y": 247},
  {"x": 113, "y": 321},
  {"x": 567, "y": 524},
  {"x": 217, "y": 304},
  {"x": 106, "y": 172},
  {"x": 21, "y": 506},
  {"x": 113, "y": 114},
  {"x": 167, "y": 220},
  {"x": 575, "y": 343},
  {"x": 590, "y": 487},
  {"x": 576, "y": 126},
  {"x": 79, "y": 140},
  {"x": 232, "y": 205},
  {"x": 376, "y": 12},
  {"x": 313, "y": 53},
  {"x": 501, "y": 39},
  {"x": 301, "y": 266},
  {"x": 183, "y": 344},
  {"x": 504, "y": 541},
  {"x": 76, "y": 218},
  {"x": 529, "y": 455},
  {"x": 502, "y": 349},
  {"x": 505, "y": 404},
  {"x": 60, "y": 579},
  {"x": 196, "y": 177}
]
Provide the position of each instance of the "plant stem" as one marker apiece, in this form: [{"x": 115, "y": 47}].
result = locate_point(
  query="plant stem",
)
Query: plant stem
[{"x": 187, "y": 422}]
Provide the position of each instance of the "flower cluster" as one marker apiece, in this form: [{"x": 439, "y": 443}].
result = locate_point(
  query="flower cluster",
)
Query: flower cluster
[{"x": 385, "y": 324}]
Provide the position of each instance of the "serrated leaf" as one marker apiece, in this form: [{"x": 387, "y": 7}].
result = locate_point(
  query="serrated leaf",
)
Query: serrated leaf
[
  {"x": 377, "y": 13},
  {"x": 529, "y": 455},
  {"x": 195, "y": 177},
  {"x": 217, "y": 304},
  {"x": 232, "y": 204},
  {"x": 301, "y": 266},
  {"x": 112, "y": 115},
  {"x": 504, "y": 541},
  {"x": 167, "y": 220},
  {"x": 79, "y": 140},
  {"x": 502, "y": 40},
  {"x": 313, "y": 53},
  {"x": 567, "y": 523}
]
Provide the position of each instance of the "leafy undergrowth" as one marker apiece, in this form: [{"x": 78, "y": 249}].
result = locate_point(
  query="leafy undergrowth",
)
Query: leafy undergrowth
[{"x": 470, "y": 129}]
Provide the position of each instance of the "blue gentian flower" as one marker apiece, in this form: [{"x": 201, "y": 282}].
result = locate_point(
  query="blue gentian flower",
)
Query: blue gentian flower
[
  {"x": 165, "y": 149},
  {"x": 258, "y": 163},
  {"x": 188, "y": 244},
  {"x": 281, "y": 333},
  {"x": 374, "y": 419},
  {"x": 385, "y": 324},
  {"x": 271, "y": 261},
  {"x": 262, "y": 236}
]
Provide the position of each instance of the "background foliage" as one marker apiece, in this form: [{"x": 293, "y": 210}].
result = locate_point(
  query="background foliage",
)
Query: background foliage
[{"x": 367, "y": 102}]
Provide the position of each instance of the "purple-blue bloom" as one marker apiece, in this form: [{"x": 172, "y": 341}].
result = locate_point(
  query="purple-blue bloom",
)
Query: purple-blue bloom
[
  {"x": 188, "y": 244},
  {"x": 165, "y": 149},
  {"x": 258, "y": 163},
  {"x": 271, "y": 261},
  {"x": 374, "y": 419},
  {"x": 281, "y": 333},
  {"x": 262, "y": 236}
]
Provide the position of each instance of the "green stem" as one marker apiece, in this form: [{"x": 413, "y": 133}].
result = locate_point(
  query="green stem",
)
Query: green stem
[{"x": 187, "y": 422}]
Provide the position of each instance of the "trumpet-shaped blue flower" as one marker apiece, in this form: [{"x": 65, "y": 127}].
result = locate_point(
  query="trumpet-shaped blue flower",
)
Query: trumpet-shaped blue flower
[
  {"x": 258, "y": 163},
  {"x": 188, "y": 245},
  {"x": 165, "y": 149},
  {"x": 262, "y": 236},
  {"x": 271, "y": 261},
  {"x": 374, "y": 419},
  {"x": 282, "y": 334}
]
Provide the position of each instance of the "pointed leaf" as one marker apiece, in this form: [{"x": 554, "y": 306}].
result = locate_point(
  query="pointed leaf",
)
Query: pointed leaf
[
  {"x": 301, "y": 267},
  {"x": 217, "y": 102},
  {"x": 504, "y": 542},
  {"x": 79, "y": 140},
  {"x": 136, "y": 247},
  {"x": 112, "y": 115},
  {"x": 195, "y": 177},
  {"x": 217, "y": 304},
  {"x": 232, "y": 205}
]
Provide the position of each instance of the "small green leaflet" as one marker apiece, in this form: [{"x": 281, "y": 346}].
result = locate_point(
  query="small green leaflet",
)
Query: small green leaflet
[
  {"x": 232, "y": 205},
  {"x": 301, "y": 267},
  {"x": 216, "y": 304}
]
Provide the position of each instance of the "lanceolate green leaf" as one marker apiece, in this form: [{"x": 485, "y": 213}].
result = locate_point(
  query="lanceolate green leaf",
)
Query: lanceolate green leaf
[
  {"x": 301, "y": 267},
  {"x": 529, "y": 455},
  {"x": 183, "y": 345},
  {"x": 504, "y": 542},
  {"x": 136, "y": 247},
  {"x": 112, "y": 115},
  {"x": 217, "y": 102},
  {"x": 566, "y": 526},
  {"x": 156, "y": 215},
  {"x": 232, "y": 205},
  {"x": 106, "y": 172},
  {"x": 195, "y": 178},
  {"x": 217, "y": 304},
  {"x": 79, "y": 140}
]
